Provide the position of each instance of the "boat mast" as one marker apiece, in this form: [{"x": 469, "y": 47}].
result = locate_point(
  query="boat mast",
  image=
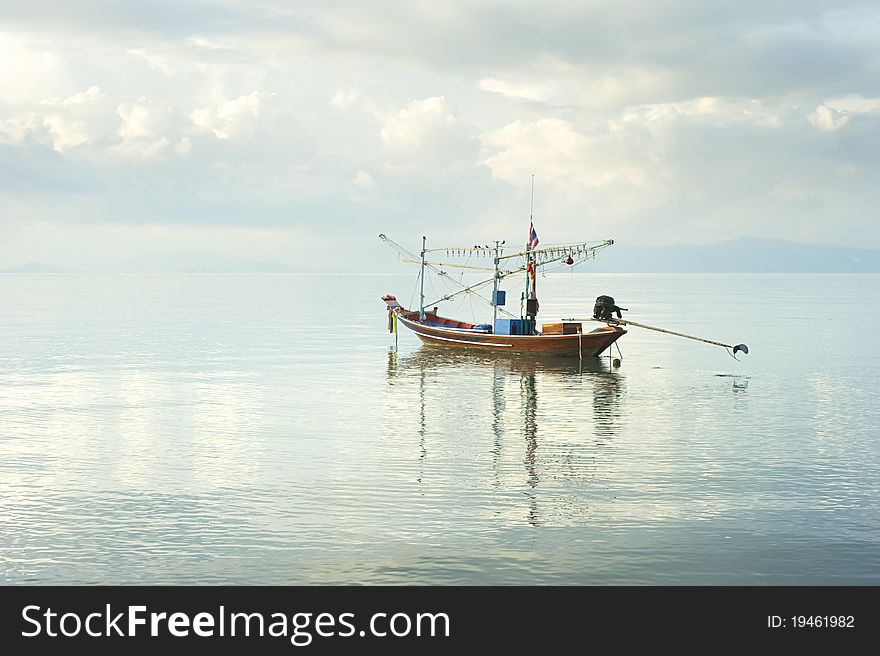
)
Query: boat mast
[
  {"x": 526, "y": 295},
  {"x": 528, "y": 252},
  {"x": 422, "y": 291},
  {"x": 495, "y": 287}
]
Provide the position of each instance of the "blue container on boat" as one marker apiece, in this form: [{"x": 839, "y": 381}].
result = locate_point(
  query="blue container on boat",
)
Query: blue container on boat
[
  {"x": 505, "y": 326},
  {"x": 513, "y": 327},
  {"x": 499, "y": 297}
]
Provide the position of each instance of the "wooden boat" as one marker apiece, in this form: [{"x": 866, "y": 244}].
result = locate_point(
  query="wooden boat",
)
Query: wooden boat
[
  {"x": 517, "y": 335},
  {"x": 434, "y": 329},
  {"x": 514, "y": 334}
]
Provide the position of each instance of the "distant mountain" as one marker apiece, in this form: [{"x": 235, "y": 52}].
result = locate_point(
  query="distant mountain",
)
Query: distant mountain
[
  {"x": 181, "y": 262},
  {"x": 745, "y": 255},
  {"x": 33, "y": 267}
]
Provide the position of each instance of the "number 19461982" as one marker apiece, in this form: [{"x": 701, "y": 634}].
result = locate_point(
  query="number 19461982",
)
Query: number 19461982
[{"x": 811, "y": 622}]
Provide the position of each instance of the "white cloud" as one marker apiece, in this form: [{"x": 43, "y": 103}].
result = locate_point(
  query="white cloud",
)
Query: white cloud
[
  {"x": 828, "y": 118},
  {"x": 560, "y": 83},
  {"x": 138, "y": 120},
  {"x": 27, "y": 67},
  {"x": 90, "y": 95},
  {"x": 692, "y": 161},
  {"x": 230, "y": 117},
  {"x": 157, "y": 62},
  {"x": 66, "y": 133},
  {"x": 147, "y": 128},
  {"x": 513, "y": 90},
  {"x": 704, "y": 110},
  {"x": 552, "y": 146},
  {"x": 183, "y": 147},
  {"x": 344, "y": 98},
  {"x": 854, "y": 104},
  {"x": 560, "y": 155},
  {"x": 17, "y": 128},
  {"x": 365, "y": 181},
  {"x": 425, "y": 134},
  {"x": 208, "y": 43},
  {"x": 69, "y": 122}
]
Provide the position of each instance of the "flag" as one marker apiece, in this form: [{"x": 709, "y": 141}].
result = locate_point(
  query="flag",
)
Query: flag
[
  {"x": 533, "y": 236},
  {"x": 531, "y": 271}
]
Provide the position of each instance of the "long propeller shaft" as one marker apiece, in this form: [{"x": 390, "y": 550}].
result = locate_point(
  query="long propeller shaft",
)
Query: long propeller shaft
[{"x": 626, "y": 322}]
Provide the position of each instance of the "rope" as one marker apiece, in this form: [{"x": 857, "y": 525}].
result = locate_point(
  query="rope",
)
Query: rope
[{"x": 412, "y": 297}]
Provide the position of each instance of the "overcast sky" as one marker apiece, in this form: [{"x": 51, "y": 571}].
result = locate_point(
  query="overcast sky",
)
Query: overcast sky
[{"x": 297, "y": 131}]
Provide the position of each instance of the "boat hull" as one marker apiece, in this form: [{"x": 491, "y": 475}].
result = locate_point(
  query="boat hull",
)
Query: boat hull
[{"x": 584, "y": 345}]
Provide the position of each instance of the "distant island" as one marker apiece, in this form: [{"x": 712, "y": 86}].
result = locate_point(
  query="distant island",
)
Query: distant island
[
  {"x": 188, "y": 262},
  {"x": 34, "y": 267},
  {"x": 745, "y": 255}
]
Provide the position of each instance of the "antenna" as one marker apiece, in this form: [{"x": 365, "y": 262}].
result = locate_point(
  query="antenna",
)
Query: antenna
[{"x": 532, "y": 201}]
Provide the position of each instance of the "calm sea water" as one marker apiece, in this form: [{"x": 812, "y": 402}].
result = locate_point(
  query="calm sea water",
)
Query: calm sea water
[{"x": 263, "y": 429}]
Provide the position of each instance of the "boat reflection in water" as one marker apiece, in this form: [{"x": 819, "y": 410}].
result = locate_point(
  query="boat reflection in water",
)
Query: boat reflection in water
[{"x": 481, "y": 413}]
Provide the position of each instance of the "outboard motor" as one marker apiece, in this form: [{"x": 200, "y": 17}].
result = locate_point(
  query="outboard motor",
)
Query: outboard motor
[{"x": 605, "y": 309}]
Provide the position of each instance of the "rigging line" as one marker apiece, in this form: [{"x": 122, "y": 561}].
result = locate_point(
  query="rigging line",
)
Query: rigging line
[
  {"x": 521, "y": 269},
  {"x": 443, "y": 279},
  {"x": 458, "y": 307},
  {"x": 465, "y": 290},
  {"x": 443, "y": 273},
  {"x": 431, "y": 282},
  {"x": 448, "y": 281},
  {"x": 450, "y": 264},
  {"x": 470, "y": 290},
  {"x": 412, "y": 297},
  {"x": 465, "y": 265},
  {"x": 400, "y": 249}
]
